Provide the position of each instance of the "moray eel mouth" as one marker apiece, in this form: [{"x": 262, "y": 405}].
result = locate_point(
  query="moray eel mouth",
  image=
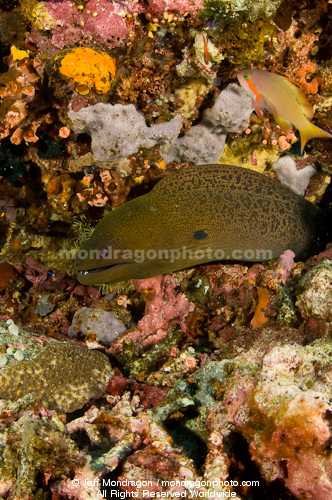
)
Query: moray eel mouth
[
  {"x": 82, "y": 274},
  {"x": 99, "y": 274},
  {"x": 116, "y": 272}
]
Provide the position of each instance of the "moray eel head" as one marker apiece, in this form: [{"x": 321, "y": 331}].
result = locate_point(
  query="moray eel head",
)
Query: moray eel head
[
  {"x": 196, "y": 215},
  {"x": 111, "y": 254}
]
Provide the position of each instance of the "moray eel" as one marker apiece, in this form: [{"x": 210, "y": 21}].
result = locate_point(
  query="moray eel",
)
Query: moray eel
[{"x": 196, "y": 215}]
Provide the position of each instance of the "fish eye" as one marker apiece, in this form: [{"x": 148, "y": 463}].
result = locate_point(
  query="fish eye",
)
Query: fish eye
[
  {"x": 103, "y": 252},
  {"x": 246, "y": 77}
]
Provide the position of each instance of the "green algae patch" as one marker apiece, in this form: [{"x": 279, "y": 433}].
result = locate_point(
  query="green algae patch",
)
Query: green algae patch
[
  {"x": 286, "y": 309},
  {"x": 62, "y": 376}
]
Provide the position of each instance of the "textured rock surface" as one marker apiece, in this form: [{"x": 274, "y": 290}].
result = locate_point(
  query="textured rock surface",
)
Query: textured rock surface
[
  {"x": 314, "y": 292},
  {"x": 252, "y": 9},
  {"x": 282, "y": 408}
]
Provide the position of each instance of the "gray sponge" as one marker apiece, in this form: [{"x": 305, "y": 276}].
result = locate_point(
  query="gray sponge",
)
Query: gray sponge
[
  {"x": 231, "y": 110},
  {"x": 200, "y": 145},
  {"x": 118, "y": 131},
  {"x": 204, "y": 143}
]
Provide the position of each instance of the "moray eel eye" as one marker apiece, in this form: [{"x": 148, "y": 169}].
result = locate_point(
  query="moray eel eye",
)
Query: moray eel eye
[{"x": 103, "y": 252}]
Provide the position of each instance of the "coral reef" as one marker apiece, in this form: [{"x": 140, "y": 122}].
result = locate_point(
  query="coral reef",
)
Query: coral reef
[
  {"x": 35, "y": 443},
  {"x": 203, "y": 387},
  {"x": 283, "y": 397},
  {"x": 215, "y": 380}
]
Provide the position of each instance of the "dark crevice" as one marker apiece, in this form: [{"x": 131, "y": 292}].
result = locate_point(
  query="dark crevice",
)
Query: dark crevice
[
  {"x": 243, "y": 468},
  {"x": 192, "y": 444}
]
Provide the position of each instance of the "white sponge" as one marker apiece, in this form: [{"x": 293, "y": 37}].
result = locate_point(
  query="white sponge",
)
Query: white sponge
[{"x": 297, "y": 180}]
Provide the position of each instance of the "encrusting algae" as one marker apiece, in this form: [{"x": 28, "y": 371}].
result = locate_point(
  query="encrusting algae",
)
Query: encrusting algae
[{"x": 87, "y": 68}]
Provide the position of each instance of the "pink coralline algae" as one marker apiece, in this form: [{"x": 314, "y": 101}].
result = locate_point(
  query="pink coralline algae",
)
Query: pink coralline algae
[
  {"x": 179, "y": 7},
  {"x": 165, "y": 305},
  {"x": 285, "y": 265},
  {"x": 103, "y": 20},
  {"x": 35, "y": 272},
  {"x": 100, "y": 20},
  {"x": 41, "y": 277}
]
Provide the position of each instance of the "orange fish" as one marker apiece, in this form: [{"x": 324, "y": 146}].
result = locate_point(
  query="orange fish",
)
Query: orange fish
[{"x": 283, "y": 99}]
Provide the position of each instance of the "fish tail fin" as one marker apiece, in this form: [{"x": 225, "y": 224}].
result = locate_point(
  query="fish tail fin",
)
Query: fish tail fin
[{"x": 310, "y": 132}]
